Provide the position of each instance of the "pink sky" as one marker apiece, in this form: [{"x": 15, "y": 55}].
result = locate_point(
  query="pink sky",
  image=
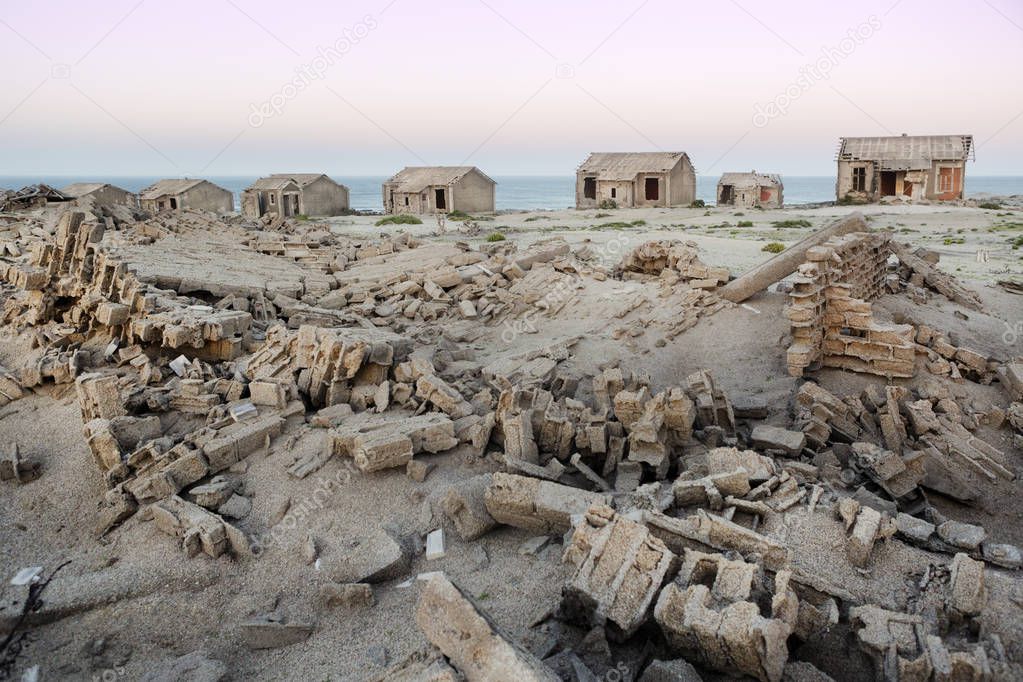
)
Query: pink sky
[{"x": 157, "y": 87}]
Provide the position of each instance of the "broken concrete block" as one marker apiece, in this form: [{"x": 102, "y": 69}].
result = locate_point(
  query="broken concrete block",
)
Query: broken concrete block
[
  {"x": 465, "y": 506},
  {"x": 967, "y": 595},
  {"x": 14, "y": 468},
  {"x": 99, "y": 396},
  {"x": 437, "y": 391},
  {"x": 962, "y": 535},
  {"x": 864, "y": 531},
  {"x": 268, "y": 633},
  {"x": 536, "y": 505},
  {"x": 347, "y": 595},
  {"x": 418, "y": 470},
  {"x": 435, "y": 545},
  {"x": 474, "y": 645},
  {"x": 716, "y": 625},
  {"x": 619, "y": 569},
  {"x": 371, "y": 558},
  {"x": 197, "y": 528},
  {"x": 775, "y": 438}
]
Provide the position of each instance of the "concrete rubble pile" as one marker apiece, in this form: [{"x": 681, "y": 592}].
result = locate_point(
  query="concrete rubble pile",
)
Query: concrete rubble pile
[{"x": 688, "y": 529}]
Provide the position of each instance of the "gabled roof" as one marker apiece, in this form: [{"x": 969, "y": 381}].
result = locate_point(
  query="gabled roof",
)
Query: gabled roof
[
  {"x": 627, "y": 165},
  {"x": 907, "y": 151},
  {"x": 80, "y": 189},
  {"x": 752, "y": 179},
  {"x": 273, "y": 182},
  {"x": 169, "y": 187},
  {"x": 303, "y": 179},
  {"x": 417, "y": 178}
]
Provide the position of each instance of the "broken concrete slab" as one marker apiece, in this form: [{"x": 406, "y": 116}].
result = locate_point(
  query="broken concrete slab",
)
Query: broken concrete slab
[
  {"x": 535, "y": 505},
  {"x": 456, "y": 626}
]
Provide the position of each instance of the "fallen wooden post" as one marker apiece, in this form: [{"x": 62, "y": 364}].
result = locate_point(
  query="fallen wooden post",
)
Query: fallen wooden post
[{"x": 786, "y": 262}]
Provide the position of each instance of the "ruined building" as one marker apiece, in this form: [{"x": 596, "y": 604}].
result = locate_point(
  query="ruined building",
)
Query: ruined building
[
  {"x": 104, "y": 194},
  {"x": 631, "y": 180},
  {"x": 439, "y": 189},
  {"x": 178, "y": 194},
  {"x": 750, "y": 190},
  {"x": 919, "y": 167},
  {"x": 294, "y": 194}
]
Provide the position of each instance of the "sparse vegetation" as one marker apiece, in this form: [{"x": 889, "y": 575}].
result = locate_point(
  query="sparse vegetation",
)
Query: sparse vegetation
[
  {"x": 745, "y": 223},
  {"x": 948, "y": 241},
  {"x": 792, "y": 223},
  {"x": 399, "y": 219},
  {"x": 990, "y": 205},
  {"x": 699, "y": 203},
  {"x": 302, "y": 217},
  {"x": 608, "y": 204},
  {"x": 495, "y": 237},
  {"x": 773, "y": 247},
  {"x": 1016, "y": 243},
  {"x": 620, "y": 225},
  {"x": 602, "y": 215}
]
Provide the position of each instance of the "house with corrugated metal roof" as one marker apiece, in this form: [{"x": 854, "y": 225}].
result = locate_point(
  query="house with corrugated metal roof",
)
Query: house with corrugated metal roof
[
  {"x": 439, "y": 189},
  {"x": 181, "y": 193},
  {"x": 635, "y": 179},
  {"x": 912, "y": 167},
  {"x": 750, "y": 190}
]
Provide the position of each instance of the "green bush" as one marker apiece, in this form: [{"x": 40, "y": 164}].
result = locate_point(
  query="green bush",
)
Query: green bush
[
  {"x": 698, "y": 203},
  {"x": 620, "y": 225},
  {"x": 990, "y": 205},
  {"x": 608, "y": 204},
  {"x": 948, "y": 241},
  {"x": 495, "y": 237},
  {"x": 792, "y": 223},
  {"x": 745, "y": 223},
  {"x": 773, "y": 247},
  {"x": 399, "y": 219}
]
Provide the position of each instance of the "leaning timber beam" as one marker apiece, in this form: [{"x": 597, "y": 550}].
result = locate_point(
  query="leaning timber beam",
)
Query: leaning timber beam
[{"x": 786, "y": 262}]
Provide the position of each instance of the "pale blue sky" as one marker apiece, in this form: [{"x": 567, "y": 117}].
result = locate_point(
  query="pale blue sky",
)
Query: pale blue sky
[{"x": 363, "y": 87}]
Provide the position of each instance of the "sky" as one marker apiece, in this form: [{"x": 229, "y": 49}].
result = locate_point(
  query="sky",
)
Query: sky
[{"x": 517, "y": 87}]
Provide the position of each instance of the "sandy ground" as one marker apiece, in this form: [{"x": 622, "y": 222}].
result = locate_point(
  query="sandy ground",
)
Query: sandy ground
[{"x": 163, "y": 605}]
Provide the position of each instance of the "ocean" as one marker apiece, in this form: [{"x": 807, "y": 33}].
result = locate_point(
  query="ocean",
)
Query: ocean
[{"x": 526, "y": 192}]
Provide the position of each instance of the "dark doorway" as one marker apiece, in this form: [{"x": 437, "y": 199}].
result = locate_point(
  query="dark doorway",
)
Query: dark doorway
[
  {"x": 728, "y": 194},
  {"x": 887, "y": 183},
  {"x": 653, "y": 189},
  {"x": 173, "y": 204},
  {"x": 589, "y": 188},
  {"x": 442, "y": 200}
]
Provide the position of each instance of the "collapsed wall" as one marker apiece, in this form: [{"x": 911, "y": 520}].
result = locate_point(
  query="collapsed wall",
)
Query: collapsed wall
[{"x": 830, "y": 310}]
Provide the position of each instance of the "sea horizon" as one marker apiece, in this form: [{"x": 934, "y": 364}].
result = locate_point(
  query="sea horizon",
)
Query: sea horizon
[{"x": 515, "y": 192}]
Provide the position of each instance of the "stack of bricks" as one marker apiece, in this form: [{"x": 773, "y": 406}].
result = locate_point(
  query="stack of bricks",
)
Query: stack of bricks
[{"x": 830, "y": 311}]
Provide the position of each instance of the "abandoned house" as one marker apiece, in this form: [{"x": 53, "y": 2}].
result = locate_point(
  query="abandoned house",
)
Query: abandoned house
[
  {"x": 32, "y": 196},
  {"x": 912, "y": 167},
  {"x": 635, "y": 179},
  {"x": 104, "y": 194},
  {"x": 750, "y": 190},
  {"x": 293, "y": 194},
  {"x": 178, "y": 194},
  {"x": 439, "y": 189}
]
